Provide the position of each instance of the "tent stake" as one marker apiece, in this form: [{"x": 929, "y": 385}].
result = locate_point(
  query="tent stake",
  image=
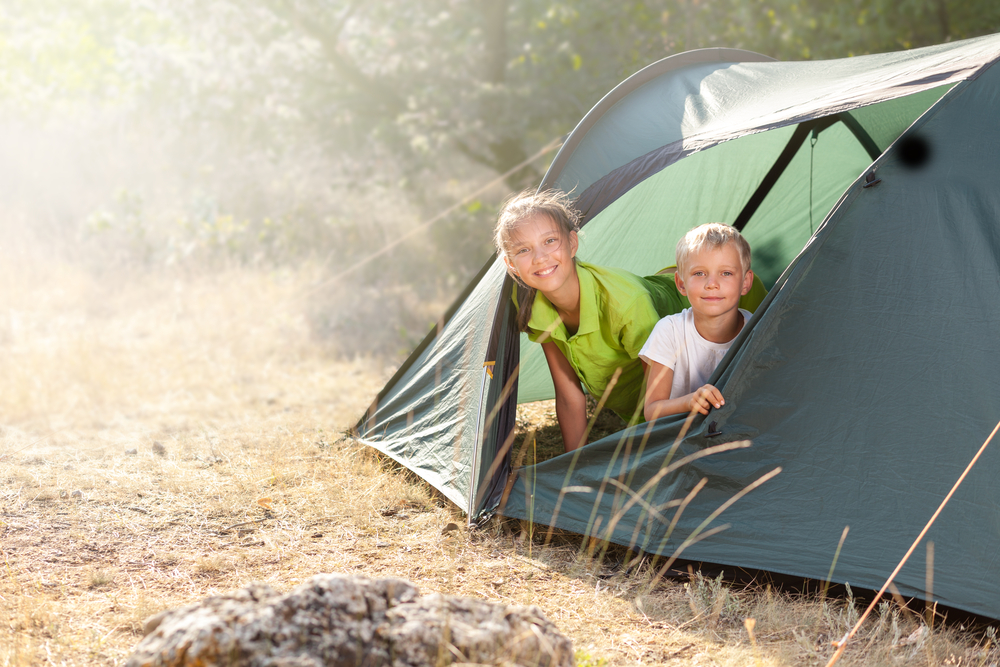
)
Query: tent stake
[{"x": 842, "y": 644}]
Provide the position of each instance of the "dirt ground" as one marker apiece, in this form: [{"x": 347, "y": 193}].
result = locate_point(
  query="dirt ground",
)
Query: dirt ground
[{"x": 165, "y": 438}]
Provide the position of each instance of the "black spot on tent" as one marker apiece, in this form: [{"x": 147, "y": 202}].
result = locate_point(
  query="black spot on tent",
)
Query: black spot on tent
[{"x": 914, "y": 151}]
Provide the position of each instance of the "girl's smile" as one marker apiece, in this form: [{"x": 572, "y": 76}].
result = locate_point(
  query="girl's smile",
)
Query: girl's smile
[{"x": 541, "y": 255}]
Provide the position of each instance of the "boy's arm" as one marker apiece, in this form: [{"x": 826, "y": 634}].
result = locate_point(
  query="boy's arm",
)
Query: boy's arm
[
  {"x": 659, "y": 403},
  {"x": 571, "y": 403}
]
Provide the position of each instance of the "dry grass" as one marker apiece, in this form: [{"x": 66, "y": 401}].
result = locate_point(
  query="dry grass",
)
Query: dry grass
[
  {"x": 163, "y": 439},
  {"x": 538, "y": 421}
]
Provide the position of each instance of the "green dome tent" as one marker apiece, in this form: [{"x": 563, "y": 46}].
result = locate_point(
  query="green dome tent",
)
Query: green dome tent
[{"x": 869, "y": 189}]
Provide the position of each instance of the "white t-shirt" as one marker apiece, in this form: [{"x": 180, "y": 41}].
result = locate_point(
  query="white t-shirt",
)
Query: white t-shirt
[{"x": 676, "y": 344}]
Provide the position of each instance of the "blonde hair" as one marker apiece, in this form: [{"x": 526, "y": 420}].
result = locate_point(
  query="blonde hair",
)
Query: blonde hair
[
  {"x": 552, "y": 203},
  {"x": 711, "y": 235}
]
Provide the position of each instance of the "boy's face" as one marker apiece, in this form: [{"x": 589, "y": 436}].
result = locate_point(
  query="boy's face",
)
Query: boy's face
[{"x": 713, "y": 280}]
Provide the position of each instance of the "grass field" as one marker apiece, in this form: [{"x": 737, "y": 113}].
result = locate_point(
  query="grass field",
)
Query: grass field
[{"x": 167, "y": 437}]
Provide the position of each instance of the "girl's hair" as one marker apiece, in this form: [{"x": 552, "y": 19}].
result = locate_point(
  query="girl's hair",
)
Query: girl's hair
[
  {"x": 554, "y": 204},
  {"x": 711, "y": 235}
]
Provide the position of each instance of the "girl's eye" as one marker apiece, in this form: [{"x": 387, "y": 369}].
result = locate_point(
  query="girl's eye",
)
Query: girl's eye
[{"x": 551, "y": 240}]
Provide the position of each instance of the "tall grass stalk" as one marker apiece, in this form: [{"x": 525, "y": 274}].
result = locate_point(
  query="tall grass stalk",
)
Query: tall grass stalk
[
  {"x": 833, "y": 565},
  {"x": 244, "y": 401},
  {"x": 929, "y": 578},
  {"x": 593, "y": 522},
  {"x": 842, "y": 644},
  {"x": 579, "y": 450}
]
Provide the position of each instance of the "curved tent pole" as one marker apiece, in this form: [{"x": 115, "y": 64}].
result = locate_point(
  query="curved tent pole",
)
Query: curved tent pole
[
  {"x": 816, "y": 125},
  {"x": 640, "y": 78},
  {"x": 860, "y": 134}
]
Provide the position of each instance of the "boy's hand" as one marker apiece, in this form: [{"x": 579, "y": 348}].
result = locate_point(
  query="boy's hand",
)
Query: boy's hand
[{"x": 705, "y": 398}]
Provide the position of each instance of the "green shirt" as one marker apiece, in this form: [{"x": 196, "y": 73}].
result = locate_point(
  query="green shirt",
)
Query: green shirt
[{"x": 618, "y": 310}]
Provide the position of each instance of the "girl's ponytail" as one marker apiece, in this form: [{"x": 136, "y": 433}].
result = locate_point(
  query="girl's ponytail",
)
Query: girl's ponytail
[{"x": 525, "y": 302}]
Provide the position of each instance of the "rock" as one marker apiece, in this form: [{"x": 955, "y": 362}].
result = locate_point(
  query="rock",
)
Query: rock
[
  {"x": 131, "y": 452},
  {"x": 159, "y": 449},
  {"x": 350, "y": 622}
]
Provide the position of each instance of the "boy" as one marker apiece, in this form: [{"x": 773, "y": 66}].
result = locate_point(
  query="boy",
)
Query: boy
[{"x": 713, "y": 271}]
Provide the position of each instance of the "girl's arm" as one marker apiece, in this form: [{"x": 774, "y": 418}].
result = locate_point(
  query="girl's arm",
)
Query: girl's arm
[
  {"x": 571, "y": 403},
  {"x": 658, "y": 402}
]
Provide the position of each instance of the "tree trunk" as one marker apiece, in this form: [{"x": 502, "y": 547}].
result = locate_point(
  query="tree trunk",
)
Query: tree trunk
[
  {"x": 495, "y": 29},
  {"x": 509, "y": 151},
  {"x": 943, "y": 23}
]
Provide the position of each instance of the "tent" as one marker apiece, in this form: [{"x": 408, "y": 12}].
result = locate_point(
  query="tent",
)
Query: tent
[{"x": 869, "y": 189}]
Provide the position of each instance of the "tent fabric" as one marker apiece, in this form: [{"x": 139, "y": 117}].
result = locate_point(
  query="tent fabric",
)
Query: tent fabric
[
  {"x": 659, "y": 209},
  {"x": 853, "y": 377},
  {"x": 429, "y": 418},
  {"x": 702, "y": 105},
  {"x": 870, "y": 378}
]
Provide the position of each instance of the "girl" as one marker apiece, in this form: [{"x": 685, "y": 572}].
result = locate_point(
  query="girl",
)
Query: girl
[{"x": 590, "y": 320}]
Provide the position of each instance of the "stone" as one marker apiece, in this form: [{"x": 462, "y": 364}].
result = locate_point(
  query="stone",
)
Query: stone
[{"x": 349, "y": 621}]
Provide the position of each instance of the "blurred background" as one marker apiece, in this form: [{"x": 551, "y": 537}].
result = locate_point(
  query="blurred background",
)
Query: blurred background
[{"x": 180, "y": 138}]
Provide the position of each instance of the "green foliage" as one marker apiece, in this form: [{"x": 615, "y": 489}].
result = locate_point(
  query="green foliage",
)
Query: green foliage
[
  {"x": 59, "y": 57},
  {"x": 242, "y": 126},
  {"x": 585, "y": 659},
  {"x": 416, "y": 81}
]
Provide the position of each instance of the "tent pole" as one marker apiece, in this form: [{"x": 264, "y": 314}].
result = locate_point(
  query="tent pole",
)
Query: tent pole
[{"x": 789, "y": 151}]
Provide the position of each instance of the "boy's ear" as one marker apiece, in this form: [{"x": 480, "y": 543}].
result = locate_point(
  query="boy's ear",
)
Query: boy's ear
[
  {"x": 574, "y": 243},
  {"x": 679, "y": 282},
  {"x": 747, "y": 282}
]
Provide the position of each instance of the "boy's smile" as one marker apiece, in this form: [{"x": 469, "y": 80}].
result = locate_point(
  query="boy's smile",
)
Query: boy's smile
[{"x": 713, "y": 281}]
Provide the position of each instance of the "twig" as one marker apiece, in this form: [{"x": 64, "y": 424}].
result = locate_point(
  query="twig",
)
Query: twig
[
  {"x": 3, "y": 457},
  {"x": 528, "y": 561},
  {"x": 842, "y": 644},
  {"x": 245, "y": 523}
]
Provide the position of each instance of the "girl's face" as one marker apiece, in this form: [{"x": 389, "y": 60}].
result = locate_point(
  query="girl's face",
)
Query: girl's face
[{"x": 541, "y": 253}]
